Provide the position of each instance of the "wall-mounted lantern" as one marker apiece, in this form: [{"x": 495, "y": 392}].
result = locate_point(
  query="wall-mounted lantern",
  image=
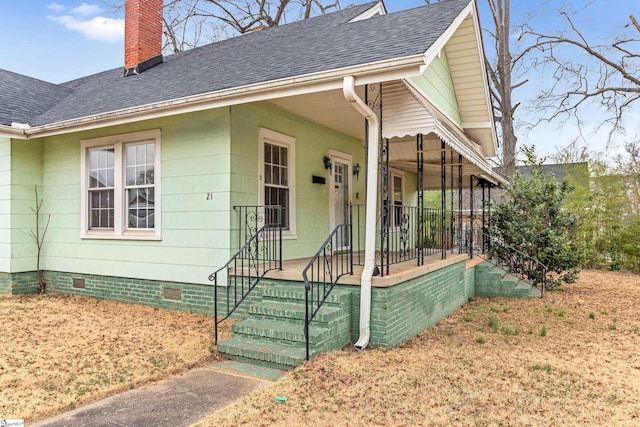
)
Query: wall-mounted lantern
[
  {"x": 356, "y": 170},
  {"x": 327, "y": 162}
]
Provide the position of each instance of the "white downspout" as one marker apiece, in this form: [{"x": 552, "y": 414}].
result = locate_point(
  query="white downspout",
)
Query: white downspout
[{"x": 348, "y": 89}]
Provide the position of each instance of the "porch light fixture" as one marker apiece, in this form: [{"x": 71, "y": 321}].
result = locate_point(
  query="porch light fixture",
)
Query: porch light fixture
[
  {"x": 356, "y": 170},
  {"x": 327, "y": 162}
]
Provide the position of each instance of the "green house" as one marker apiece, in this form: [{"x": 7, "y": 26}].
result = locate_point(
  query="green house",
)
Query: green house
[{"x": 249, "y": 156}]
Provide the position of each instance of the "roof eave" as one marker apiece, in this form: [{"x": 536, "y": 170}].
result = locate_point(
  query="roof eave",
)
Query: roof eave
[
  {"x": 434, "y": 51},
  {"x": 376, "y": 72},
  {"x": 16, "y": 132}
]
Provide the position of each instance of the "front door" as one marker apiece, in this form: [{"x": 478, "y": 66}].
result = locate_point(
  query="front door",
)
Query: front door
[{"x": 340, "y": 196}]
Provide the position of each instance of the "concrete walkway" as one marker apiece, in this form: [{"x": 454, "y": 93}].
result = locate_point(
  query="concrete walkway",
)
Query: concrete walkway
[{"x": 178, "y": 401}]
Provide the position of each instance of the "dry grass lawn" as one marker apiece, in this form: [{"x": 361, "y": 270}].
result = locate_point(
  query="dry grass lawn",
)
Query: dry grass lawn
[
  {"x": 59, "y": 352},
  {"x": 569, "y": 359}
]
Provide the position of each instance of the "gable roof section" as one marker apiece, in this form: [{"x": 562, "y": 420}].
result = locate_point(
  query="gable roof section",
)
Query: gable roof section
[
  {"x": 327, "y": 42},
  {"x": 22, "y": 98}
]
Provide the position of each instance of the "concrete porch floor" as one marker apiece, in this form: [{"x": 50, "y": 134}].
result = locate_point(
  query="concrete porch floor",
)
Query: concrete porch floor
[{"x": 398, "y": 273}]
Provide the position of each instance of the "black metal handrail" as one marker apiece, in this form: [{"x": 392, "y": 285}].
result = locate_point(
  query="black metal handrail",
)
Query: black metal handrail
[
  {"x": 515, "y": 261},
  {"x": 333, "y": 260},
  {"x": 259, "y": 255}
]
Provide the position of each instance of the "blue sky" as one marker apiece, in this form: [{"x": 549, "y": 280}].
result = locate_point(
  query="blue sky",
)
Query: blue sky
[{"x": 60, "y": 40}]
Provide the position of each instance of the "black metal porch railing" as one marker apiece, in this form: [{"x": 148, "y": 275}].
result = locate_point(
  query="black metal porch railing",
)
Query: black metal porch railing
[
  {"x": 514, "y": 261},
  {"x": 410, "y": 233},
  {"x": 259, "y": 254},
  {"x": 333, "y": 260}
]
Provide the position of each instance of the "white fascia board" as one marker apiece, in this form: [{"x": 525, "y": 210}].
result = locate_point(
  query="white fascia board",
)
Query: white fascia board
[
  {"x": 477, "y": 125},
  {"x": 377, "y": 9},
  {"x": 327, "y": 80},
  {"x": 434, "y": 50}
]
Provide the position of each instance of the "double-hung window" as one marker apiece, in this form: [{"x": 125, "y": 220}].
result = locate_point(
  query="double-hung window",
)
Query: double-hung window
[
  {"x": 277, "y": 176},
  {"x": 120, "y": 186}
]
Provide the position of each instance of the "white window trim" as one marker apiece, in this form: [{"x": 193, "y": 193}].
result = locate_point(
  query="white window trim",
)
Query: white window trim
[
  {"x": 277, "y": 138},
  {"x": 120, "y": 231}
]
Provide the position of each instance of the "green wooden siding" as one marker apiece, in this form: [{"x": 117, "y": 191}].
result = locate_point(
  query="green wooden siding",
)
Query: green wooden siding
[
  {"x": 195, "y": 204},
  {"x": 209, "y": 164},
  {"x": 5, "y": 205},
  {"x": 26, "y": 165},
  {"x": 437, "y": 84},
  {"x": 313, "y": 142}
]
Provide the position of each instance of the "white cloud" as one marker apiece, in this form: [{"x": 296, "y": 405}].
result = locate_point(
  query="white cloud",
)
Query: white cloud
[
  {"x": 96, "y": 28},
  {"x": 57, "y": 7},
  {"x": 86, "y": 10}
]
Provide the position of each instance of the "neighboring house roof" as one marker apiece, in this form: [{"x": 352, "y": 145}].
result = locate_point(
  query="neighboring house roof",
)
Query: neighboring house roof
[
  {"x": 323, "y": 43},
  {"x": 562, "y": 171},
  {"x": 22, "y": 98}
]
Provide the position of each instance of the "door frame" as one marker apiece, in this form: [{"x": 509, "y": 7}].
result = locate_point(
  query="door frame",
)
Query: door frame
[{"x": 335, "y": 155}]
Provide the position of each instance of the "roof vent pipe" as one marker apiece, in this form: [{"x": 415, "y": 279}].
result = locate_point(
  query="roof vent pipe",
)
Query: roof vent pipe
[
  {"x": 348, "y": 89},
  {"x": 142, "y": 35}
]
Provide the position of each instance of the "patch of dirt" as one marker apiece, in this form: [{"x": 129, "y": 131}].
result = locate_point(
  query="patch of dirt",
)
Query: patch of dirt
[
  {"x": 568, "y": 359},
  {"x": 59, "y": 351}
]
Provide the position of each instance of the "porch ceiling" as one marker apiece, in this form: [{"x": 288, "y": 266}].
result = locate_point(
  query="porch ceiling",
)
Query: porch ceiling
[
  {"x": 328, "y": 108},
  {"x": 403, "y": 156}
]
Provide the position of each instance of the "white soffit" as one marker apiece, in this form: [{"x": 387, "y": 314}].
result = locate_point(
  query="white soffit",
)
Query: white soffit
[{"x": 466, "y": 64}]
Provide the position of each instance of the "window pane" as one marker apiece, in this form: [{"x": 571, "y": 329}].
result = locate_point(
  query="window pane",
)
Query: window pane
[
  {"x": 101, "y": 168},
  {"x": 130, "y": 155},
  {"x": 276, "y": 175},
  {"x": 101, "y": 209},
  {"x": 278, "y": 197},
  {"x": 139, "y": 161},
  {"x": 141, "y": 154},
  {"x": 276, "y": 156},
  {"x": 131, "y": 175},
  {"x": 267, "y": 153},
  {"x": 283, "y": 156},
  {"x": 267, "y": 174},
  {"x": 397, "y": 189},
  {"x": 149, "y": 177},
  {"x": 151, "y": 150},
  {"x": 141, "y": 207}
]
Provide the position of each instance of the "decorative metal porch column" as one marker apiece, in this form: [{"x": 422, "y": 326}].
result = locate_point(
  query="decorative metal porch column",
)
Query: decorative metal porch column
[
  {"x": 460, "y": 235},
  {"x": 443, "y": 204},
  {"x": 421, "y": 214}
]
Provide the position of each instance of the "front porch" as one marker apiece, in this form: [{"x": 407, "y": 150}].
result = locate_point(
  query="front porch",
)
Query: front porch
[{"x": 402, "y": 272}]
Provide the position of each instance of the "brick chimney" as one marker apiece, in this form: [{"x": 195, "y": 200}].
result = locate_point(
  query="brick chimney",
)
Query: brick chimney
[{"x": 142, "y": 35}]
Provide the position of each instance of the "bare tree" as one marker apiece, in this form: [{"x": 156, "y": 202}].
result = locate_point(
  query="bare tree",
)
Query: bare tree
[
  {"x": 38, "y": 237},
  {"x": 585, "y": 72},
  {"x": 191, "y": 23},
  {"x": 501, "y": 71}
]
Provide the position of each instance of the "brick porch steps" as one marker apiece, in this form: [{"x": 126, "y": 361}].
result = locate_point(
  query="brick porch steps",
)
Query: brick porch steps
[
  {"x": 272, "y": 334},
  {"x": 503, "y": 283}
]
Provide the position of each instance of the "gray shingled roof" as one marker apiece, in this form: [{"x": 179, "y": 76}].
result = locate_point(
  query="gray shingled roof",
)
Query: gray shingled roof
[
  {"x": 318, "y": 44},
  {"x": 22, "y": 98}
]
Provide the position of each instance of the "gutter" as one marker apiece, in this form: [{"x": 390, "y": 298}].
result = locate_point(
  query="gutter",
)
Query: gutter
[
  {"x": 371, "y": 201},
  {"x": 326, "y": 80},
  {"x": 18, "y": 130}
]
